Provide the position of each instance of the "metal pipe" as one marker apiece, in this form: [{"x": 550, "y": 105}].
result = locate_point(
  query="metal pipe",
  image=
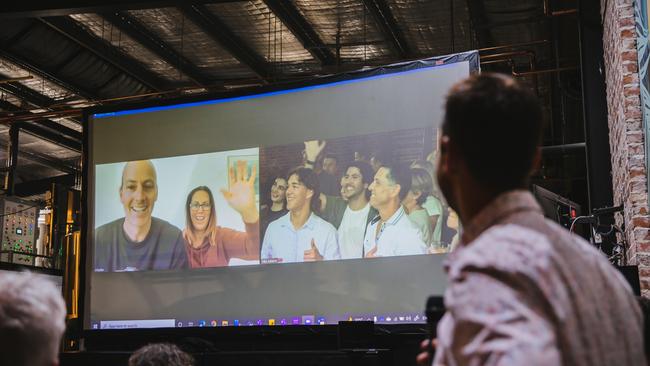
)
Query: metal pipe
[
  {"x": 511, "y": 54},
  {"x": 558, "y": 149},
  {"x": 514, "y": 45},
  {"x": 549, "y": 13},
  {"x": 529, "y": 54},
  {"x": 505, "y": 60},
  {"x": 36, "y": 116},
  {"x": 564, "y": 12},
  {"x": 537, "y": 72},
  {"x": 128, "y": 97}
]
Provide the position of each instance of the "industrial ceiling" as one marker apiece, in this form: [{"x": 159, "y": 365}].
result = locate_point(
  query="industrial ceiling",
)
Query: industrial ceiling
[{"x": 58, "y": 58}]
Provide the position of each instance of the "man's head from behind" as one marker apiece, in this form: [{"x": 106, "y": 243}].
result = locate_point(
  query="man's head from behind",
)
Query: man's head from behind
[
  {"x": 32, "y": 320},
  {"x": 138, "y": 191},
  {"x": 490, "y": 136},
  {"x": 160, "y": 354}
]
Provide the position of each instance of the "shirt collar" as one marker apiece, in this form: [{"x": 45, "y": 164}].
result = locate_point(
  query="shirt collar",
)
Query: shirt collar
[
  {"x": 502, "y": 206},
  {"x": 310, "y": 224},
  {"x": 391, "y": 220},
  {"x": 395, "y": 217}
]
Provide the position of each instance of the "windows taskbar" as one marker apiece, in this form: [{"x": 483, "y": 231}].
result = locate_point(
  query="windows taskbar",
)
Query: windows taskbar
[{"x": 276, "y": 321}]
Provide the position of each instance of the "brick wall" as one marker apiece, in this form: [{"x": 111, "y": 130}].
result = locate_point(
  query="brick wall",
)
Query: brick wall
[{"x": 626, "y": 135}]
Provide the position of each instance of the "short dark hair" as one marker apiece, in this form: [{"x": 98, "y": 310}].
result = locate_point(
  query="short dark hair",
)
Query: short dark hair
[
  {"x": 497, "y": 125},
  {"x": 367, "y": 174},
  {"x": 401, "y": 175},
  {"x": 309, "y": 179},
  {"x": 160, "y": 354}
]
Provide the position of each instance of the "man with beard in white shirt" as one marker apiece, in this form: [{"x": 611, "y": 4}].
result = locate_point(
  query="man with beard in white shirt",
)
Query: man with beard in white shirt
[{"x": 351, "y": 212}]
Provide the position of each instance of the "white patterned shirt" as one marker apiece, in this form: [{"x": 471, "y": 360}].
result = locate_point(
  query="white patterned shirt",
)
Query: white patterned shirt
[{"x": 524, "y": 291}]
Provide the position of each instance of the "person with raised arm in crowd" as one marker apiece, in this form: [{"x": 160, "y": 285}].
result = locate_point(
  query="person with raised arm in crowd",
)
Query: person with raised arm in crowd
[{"x": 350, "y": 212}]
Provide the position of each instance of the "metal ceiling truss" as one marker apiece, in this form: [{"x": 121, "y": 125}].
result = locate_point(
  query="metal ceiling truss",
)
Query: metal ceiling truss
[
  {"x": 35, "y": 9},
  {"x": 43, "y": 70},
  {"x": 136, "y": 30},
  {"x": 302, "y": 30},
  {"x": 221, "y": 33},
  {"x": 381, "y": 13},
  {"x": 104, "y": 50},
  {"x": 45, "y": 160},
  {"x": 46, "y": 72},
  {"x": 26, "y": 94},
  {"x": 49, "y": 135},
  {"x": 70, "y": 138}
]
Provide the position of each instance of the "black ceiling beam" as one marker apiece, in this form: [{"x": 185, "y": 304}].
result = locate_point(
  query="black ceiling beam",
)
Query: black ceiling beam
[
  {"x": 26, "y": 94},
  {"x": 50, "y": 136},
  {"x": 478, "y": 20},
  {"x": 59, "y": 128},
  {"x": 36, "y": 9},
  {"x": 221, "y": 33},
  {"x": 136, "y": 30},
  {"x": 104, "y": 50},
  {"x": 46, "y": 123},
  {"x": 46, "y": 72},
  {"x": 383, "y": 16},
  {"x": 45, "y": 160},
  {"x": 40, "y": 186},
  {"x": 302, "y": 30}
]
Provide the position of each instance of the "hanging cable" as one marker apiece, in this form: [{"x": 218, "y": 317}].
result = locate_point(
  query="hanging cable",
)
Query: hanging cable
[{"x": 182, "y": 39}]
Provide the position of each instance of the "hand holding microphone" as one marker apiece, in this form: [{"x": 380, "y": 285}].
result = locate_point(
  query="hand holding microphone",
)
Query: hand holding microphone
[{"x": 434, "y": 311}]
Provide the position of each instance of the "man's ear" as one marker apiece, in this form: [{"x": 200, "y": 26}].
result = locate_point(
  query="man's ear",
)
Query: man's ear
[{"x": 396, "y": 191}]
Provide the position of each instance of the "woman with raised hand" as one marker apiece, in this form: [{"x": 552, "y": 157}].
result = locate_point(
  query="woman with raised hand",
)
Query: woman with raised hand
[{"x": 210, "y": 245}]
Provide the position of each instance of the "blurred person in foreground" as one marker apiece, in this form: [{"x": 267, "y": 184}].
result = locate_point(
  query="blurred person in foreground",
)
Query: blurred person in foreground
[
  {"x": 160, "y": 354},
  {"x": 32, "y": 320},
  {"x": 522, "y": 290}
]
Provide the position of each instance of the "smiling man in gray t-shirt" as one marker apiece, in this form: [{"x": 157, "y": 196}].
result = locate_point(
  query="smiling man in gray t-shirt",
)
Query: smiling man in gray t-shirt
[{"x": 138, "y": 241}]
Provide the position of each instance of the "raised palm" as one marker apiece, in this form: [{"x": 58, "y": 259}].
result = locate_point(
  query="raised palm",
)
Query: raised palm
[
  {"x": 313, "y": 148},
  {"x": 241, "y": 193}
]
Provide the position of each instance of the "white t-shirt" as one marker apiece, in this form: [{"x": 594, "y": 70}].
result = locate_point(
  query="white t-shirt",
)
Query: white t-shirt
[{"x": 351, "y": 231}]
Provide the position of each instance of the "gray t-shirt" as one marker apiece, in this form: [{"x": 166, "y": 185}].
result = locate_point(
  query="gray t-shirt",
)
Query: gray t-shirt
[{"x": 163, "y": 248}]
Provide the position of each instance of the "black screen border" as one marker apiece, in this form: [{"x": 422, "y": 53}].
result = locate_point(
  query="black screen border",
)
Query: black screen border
[{"x": 94, "y": 335}]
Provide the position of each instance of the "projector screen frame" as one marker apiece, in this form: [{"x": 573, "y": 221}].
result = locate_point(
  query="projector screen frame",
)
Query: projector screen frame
[{"x": 471, "y": 57}]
